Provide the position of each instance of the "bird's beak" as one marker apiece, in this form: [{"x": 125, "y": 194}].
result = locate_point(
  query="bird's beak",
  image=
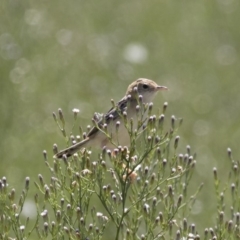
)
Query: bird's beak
[{"x": 161, "y": 88}]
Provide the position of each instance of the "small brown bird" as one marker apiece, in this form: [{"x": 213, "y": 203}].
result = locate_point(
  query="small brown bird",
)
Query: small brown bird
[{"x": 97, "y": 138}]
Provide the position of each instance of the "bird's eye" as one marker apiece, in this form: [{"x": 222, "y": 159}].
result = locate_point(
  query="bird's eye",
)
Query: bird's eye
[{"x": 145, "y": 86}]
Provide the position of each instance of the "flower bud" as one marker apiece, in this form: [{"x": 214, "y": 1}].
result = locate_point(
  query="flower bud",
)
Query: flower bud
[
  {"x": 27, "y": 180},
  {"x": 173, "y": 119},
  {"x": 221, "y": 217},
  {"x": 230, "y": 226},
  {"x": 55, "y": 148},
  {"x": 206, "y": 232},
  {"x": 45, "y": 227},
  {"x": 45, "y": 155},
  {"x": 40, "y": 177},
  {"x": 237, "y": 218},
  {"x": 179, "y": 202},
  {"x": 185, "y": 225},
  {"x": 12, "y": 195},
  {"x": 54, "y": 116},
  {"x": 176, "y": 142},
  {"x": 161, "y": 120},
  {"x": 188, "y": 149},
  {"x": 229, "y": 151},
  {"x": 178, "y": 235}
]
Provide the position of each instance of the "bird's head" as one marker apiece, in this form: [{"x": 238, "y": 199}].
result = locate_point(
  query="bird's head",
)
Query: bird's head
[{"x": 145, "y": 87}]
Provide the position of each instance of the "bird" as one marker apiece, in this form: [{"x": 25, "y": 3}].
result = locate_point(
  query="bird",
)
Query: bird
[{"x": 143, "y": 90}]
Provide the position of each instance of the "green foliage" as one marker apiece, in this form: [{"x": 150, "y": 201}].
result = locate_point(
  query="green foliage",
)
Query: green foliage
[{"x": 140, "y": 192}]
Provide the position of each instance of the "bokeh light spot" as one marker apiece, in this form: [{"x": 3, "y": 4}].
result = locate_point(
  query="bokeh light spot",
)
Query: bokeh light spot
[
  {"x": 29, "y": 209},
  {"x": 201, "y": 127},
  {"x": 24, "y": 65},
  {"x": 9, "y": 49},
  {"x": 33, "y": 17},
  {"x": 135, "y": 53},
  {"x": 226, "y": 55},
  {"x": 64, "y": 36},
  {"x": 16, "y": 75}
]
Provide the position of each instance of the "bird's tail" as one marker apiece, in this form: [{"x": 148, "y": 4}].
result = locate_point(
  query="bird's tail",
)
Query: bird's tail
[{"x": 71, "y": 150}]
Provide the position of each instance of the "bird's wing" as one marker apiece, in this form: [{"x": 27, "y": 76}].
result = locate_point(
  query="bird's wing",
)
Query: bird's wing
[{"x": 113, "y": 113}]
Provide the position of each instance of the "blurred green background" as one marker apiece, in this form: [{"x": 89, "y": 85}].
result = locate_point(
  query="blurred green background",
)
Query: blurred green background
[{"x": 80, "y": 54}]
